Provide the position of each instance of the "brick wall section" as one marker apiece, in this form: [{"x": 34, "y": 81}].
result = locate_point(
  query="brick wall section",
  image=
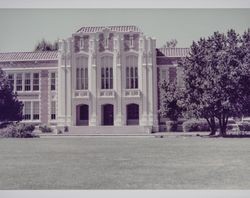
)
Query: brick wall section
[{"x": 44, "y": 96}]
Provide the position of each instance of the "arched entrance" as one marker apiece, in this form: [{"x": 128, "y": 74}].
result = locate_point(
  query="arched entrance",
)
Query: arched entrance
[
  {"x": 82, "y": 115},
  {"x": 132, "y": 114},
  {"x": 107, "y": 114}
]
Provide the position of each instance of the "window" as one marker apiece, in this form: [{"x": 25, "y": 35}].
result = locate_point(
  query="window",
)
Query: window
[
  {"x": 35, "y": 81},
  {"x": 81, "y": 43},
  {"x": 172, "y": 74},
  {"x": 19, "y": 82},
  {"x": 132, "y": 72},
  {"x": 163, "y": 75},
  {"x": 53, "y": 110},
  {"x": 53, "y": 81},
  {"x": 11, "y": 79},
  {"x": 27, "y": 82},
  {"x": 82, "y": 73},
  {"x": 131, "y": 41},
  {"x": 36, "y": 110},
  {"x": 27, "y": 111},
  {"x": 107, "y": 72}
]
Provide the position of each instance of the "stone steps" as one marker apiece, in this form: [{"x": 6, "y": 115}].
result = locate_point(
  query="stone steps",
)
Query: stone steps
[{"x": 109, "y": 130}]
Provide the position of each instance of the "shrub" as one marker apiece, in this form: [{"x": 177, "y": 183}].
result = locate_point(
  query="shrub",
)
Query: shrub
[
  {"x": 195, "y": 125},
  {"x": 244, "y": 126},
  {"x": 174, "y": 126},
  {"x": 45, "y": 129},
  {"x": 18, "y": 130}
]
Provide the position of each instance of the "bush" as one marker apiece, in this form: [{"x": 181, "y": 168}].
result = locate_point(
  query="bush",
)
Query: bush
[
  {"x": 195, "y": 125},
  {"x": 244, "y": 126},
  {"x": 18, "y": 130},
  {"x": 45, "y": 129},
  {"x": 174, "y": 126}
]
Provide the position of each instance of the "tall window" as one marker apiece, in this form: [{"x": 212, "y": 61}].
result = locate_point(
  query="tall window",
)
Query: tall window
[
  {"x": 35, "y": 81},
  {"x": 27, "y": 110},
  {"x": 163, "y": 75},
  {"x": 53, "y": 81},
  {"x": 107, "y": 72},
  {"x": 27, "y": 82},
  {"x": 131, "y": 72},
  {"x": 19, "y": 82},
  {"x": 172, "y": 74},
  {"x": 36, "y": 110},
  {"x": 81, "y": 73},
  {"x": 53, "y": 110},
  {"x": 11, "y": 79}
]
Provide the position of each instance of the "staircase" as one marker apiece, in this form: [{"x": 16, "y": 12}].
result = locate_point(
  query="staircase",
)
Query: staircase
[{"x": 108, "y": 130}]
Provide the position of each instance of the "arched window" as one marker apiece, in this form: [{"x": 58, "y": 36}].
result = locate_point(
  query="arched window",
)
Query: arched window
[
  {"x": 81, "y": 73},
  {"x": 107, "y": 72},
  {"x": 131, "y": 72}
]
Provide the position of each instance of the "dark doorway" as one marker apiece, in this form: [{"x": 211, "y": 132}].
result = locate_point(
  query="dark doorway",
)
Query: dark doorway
[
  {"x": 133, "y": 114},
  {"x": 108, "y": 114},
  {"x": 82, "y": 115}
]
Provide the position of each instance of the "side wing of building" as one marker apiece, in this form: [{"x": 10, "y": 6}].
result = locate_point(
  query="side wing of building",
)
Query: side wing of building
[
  {"x": 169, "y": 71},
  {"x": 34, "y": 79}
]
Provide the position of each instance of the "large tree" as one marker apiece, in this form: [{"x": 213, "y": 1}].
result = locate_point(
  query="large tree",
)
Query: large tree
[
  {"x": 171, "y": 97},
  {"x": 171, "y": 43},
  {"x": 10, "y": 107},
  {"x": 217, "y": 78}
]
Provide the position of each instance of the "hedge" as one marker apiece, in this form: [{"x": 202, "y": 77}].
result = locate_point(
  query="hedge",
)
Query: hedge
[
  {"x": 18, "y": 130},
  {"x": 195, "y": 125}
]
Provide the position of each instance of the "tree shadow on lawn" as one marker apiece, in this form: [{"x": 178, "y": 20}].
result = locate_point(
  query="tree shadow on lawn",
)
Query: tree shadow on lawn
[{"x": 226, "y": 136}]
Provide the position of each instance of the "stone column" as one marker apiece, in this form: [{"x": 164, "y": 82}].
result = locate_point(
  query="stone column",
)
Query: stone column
[
  {"x": 92, "y": 84},
  {"x": 118, "y": 83},
  {"x": 61, "y": 88},
  {"x": 144, "y": 85},
  {"x": 64, "y": 84},
  {"x": 152, "y": 86}
]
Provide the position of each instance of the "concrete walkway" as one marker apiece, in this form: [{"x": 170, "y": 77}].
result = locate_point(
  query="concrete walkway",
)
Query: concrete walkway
[{"x": 157, "y": 135}]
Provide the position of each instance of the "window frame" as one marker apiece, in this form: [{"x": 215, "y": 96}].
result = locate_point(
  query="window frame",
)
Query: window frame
[
  {"x": 131, "y": 73},
  {"x": 82, "y": 73},
  {"x": 107, "y": 72}
]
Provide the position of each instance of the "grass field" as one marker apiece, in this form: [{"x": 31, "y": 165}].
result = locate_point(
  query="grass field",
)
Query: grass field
[{"x": 125, "y": 163}]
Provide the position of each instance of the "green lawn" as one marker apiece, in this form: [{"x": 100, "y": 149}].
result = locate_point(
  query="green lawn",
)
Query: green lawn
[{"x": 125, "y": 163}]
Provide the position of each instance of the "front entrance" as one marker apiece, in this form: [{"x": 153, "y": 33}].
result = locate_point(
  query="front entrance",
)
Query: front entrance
[
  {"x": 108, "y": 114},
  {"x": 132, "y": 114},
  {"x": 82, "y": 115}
]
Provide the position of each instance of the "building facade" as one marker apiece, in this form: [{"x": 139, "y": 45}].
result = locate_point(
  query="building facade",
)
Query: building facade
[{"x": 100, "y": 76}]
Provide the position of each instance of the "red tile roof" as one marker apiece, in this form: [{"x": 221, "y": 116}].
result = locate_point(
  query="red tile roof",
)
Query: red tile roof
[
  {"x": 29, "y": 56},
  {"x": 112, "y": 28},
  {"x": 174, "y": 52}
]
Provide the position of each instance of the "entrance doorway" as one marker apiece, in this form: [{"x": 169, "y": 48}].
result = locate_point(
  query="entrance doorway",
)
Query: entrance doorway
[
  {"x": 108, "y": 114},
  {"x": 82, "y": 115},
  {"x": 132, "y": 114}
]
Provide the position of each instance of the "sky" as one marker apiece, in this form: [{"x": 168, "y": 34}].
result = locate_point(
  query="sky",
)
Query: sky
[{"x": 21, "y": 29}]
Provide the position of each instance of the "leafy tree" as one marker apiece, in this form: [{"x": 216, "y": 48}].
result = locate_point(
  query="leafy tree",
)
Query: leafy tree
[
  {"x": 171, "y": 105},
  {"x": 10, "y": 107},
  {"x": 217, "y": 77},
  {"x": 44, "y": 45}
]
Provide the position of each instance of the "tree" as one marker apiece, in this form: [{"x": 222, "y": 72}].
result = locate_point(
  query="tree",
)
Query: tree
[
  {"x": 171, "y": 105},
  {"x": 10, "y": 107},
  {"x": 171, "y": 43},
  {"x": 44, "y": 45},
  {"x": 217, "y": 77}
]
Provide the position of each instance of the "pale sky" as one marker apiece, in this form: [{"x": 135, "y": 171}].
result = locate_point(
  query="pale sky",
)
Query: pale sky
[{"x": 21, "y": 29}]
